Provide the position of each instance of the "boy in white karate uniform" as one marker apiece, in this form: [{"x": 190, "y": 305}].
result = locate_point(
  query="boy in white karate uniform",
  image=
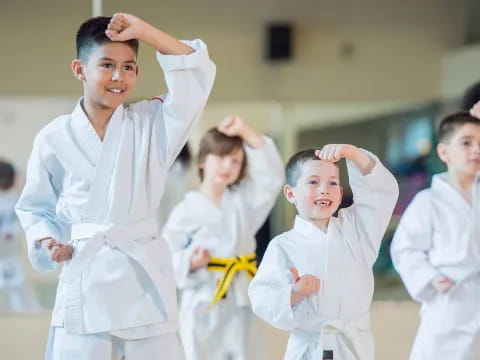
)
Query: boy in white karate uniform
[
  {"x": 211, "y": 233},
  {"x": 94, "y": 183},
  {"x": 316, "y": 280},
  {"x": 436, "y": 248}
]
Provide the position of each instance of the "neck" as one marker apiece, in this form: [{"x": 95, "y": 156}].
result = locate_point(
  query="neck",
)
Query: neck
[
  {"x": 213, "y": 192},
  {"x": 463, "y": 183},
  {"x": 322, "y": 224},
  {"x": 98, "y": 116}
]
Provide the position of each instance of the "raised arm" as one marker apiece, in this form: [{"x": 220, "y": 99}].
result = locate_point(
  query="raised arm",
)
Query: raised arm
[
  {"x": 189, "y": 74},
  {"x": 375, "y": 193},
  {"x": 265, "y": 175}
]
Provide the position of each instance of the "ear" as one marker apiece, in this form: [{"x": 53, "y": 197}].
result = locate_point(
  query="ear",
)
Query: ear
[
  {"x": 341, "y": 192},
  {"x": 443, "y": 153},
  {"x": 77, "y": 69},
  {"x": 137, "y": 70},
  {"x": 289, "y": 194}
]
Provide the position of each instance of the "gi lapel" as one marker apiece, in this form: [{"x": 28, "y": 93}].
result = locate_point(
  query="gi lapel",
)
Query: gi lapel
[{"x": 97, "y": 204}]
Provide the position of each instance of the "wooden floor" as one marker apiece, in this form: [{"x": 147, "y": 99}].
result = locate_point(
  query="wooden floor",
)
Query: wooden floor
[{"x": 23, "y": 336}]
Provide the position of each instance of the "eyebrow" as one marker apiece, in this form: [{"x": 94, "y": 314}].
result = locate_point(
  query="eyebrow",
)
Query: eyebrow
[
  {"x": 110, "y": 59},
  {"x": 319, "y": 176}
]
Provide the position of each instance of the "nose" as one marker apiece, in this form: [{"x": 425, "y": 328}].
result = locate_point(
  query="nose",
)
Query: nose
[
  {"x": 476, "y": 148},
  {"x": 227, "y": 165},
  {"x": 116, "y": 75},
  {"x": 323, "y": 189}
]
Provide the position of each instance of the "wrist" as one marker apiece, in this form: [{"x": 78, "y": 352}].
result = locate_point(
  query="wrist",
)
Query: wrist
[
  {"x": 352, "y": 152},
  {"x": 252, "y": 137}
]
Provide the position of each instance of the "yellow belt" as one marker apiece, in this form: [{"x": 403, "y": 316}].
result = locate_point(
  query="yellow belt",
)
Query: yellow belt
[{"x": 229, "y": 267}]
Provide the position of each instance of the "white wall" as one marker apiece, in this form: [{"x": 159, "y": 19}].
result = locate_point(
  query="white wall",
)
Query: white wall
[{"x": 398, "y": 46}]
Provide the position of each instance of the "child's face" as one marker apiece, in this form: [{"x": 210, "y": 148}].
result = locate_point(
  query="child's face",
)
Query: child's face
[
  {"x": 223, "y": 170},
  {"x": 317, "y": 194},
  {"x": 462, "y": 152},
  {"x": 109, "y": 74}
]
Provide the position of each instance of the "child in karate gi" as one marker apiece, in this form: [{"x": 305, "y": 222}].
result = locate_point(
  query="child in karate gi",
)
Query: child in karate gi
[
  {"x": 15, "y": 293},
  {"x": 211, "y": 234},
  {"x": 93, "y": 187},
  {"x": 316, "y": 280},
  {"x": 436, "y": 247}
]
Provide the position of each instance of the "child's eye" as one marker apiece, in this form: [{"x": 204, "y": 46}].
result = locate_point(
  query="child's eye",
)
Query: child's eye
[
  {"x": 313, "y": 182},
  {"x": 107, "y": 65},
  {"x": 129, "y": 67},
  {"x": 333, "y": 183},
  {"x": 466, "y": 143}
]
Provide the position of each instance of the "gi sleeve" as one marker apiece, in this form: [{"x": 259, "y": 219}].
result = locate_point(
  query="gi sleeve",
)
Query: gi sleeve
[
  {"x": 265, "y": 178},
  {"x": 189, "y": 80},
  {"x": 411, "y": 244},
  {"x": 270, "y": 290},
  {"x": 36, "y": 208},
  {"x": 374, "y": 198}
]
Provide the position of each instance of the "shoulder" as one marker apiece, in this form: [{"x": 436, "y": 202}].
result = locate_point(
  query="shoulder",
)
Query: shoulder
[
  {"x": 422, "y": 198},
  {"x": 194, "y": 210},
  {"x": 285, "y": 240},
  {"x": 145, "y": 107},
  {"x": 53, "y": 128}
]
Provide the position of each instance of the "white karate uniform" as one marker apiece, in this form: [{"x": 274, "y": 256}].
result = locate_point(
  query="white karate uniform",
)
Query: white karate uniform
[
  {"x": 338, "y": 317},
  {"x": 227, "y": 330},
  {"x": 104, "y": 198},
  {"x": 176, "y": 186},
  {"x": 15, "y": 293},
  {"x": 439, "y": 234}
]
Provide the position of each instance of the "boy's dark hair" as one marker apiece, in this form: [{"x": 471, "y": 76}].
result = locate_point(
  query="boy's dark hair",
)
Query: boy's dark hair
[
  {"x": 451, "y": 123},
  {"x": 471, "y": 97},
  {"x": 7, "y": 175},
  {"x": 92, "y": 33},
  {"x": 217, "y": 143},
  {"x": 294, "y": 166}
]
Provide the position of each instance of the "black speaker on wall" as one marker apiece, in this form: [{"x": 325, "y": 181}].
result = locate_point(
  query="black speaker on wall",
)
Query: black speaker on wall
[{"x": 279, "y": 41}]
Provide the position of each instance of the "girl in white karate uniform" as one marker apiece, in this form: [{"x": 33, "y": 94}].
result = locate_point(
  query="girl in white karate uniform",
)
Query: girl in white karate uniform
[
  {"x": 436, "y": 248},
  {"x": 15, "y": 292},
  {"x": 211, "y": 234}
]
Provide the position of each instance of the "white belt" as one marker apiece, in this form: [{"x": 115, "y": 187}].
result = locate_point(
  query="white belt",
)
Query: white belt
[
  {"x": 122, "y": 237},
  {"x": 349, "y": 329}
]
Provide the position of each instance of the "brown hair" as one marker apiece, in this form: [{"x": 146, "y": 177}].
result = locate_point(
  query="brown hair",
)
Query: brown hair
[
  {"x": 217, "y": 143},
  {"x": 294, "y": 166},
  {"x": 451, "y": 123}
]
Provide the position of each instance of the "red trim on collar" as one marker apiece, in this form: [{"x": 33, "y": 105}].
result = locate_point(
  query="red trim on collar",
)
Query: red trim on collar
[{"x": 157, "y": 98}]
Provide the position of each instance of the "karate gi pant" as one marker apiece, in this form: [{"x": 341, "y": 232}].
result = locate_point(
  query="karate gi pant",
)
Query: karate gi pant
[
  {"x": 104, "y": 346},
  {"x": 226, "y": 332},
  {"x": 450, "y": 325}
]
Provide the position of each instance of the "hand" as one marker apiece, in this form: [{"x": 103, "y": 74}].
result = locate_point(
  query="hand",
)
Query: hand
[
  {"x": 232, "y": 126},
  {"x": 336, "y": 152},
  {"x": 236, "y": 126},
  {"x": 58, "y": 252},
  {"x": 475, "y": 110},
  {"x": 442, "y": 284},
  {"x": 200, "y": 258},
  {"x": 303, "y": 286},
  {"x": 124, "y": 27}
]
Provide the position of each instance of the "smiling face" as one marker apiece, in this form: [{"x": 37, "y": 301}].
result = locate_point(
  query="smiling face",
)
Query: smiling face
[
  {"x": 317, "y": 193},
  {"x": 109, "y": 74},
  {"x": 461, "y": 152}
]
